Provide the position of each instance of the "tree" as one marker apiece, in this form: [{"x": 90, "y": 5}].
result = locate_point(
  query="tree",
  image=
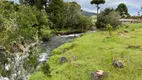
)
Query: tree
[
  {"x": 108, "y": 10},
  {"x": 123, "y": 10},
  {"x": 74, "y": 17},
  {"x": 56, "y": 11},
  {"x": 73, "y": 14},
  {"x": 97, "y": 2}
]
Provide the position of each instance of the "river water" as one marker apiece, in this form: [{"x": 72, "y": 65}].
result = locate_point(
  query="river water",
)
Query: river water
[{"x": 55, "y": 42}]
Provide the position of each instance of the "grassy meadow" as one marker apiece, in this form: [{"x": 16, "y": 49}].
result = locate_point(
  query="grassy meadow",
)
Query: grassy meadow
[{"x": 96, "y": 51}]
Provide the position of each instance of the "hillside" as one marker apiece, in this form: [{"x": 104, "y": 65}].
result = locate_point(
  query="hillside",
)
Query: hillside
[
  {"x": 88, "y": 13},
  {"x": 96, "y": 51}
]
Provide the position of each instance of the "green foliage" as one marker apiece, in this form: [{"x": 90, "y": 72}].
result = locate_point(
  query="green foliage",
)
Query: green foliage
[
  {"x": 26, "y": 16},
  {"x": 109, "y": 28},
  {"x": 28, "y": 33},
  {"x": 66, "y": 15},
  {"x": 46, "y": 34},
  {"x": 83, "y": 23},
  {"x": 31, "y": 63},
  {"x": 7, "y": 23},
  {"x": 97, "y": 2},
  {"x": 123, "y": 10},
  {"x": 18, "y": 21},
  {"x": 45, "y": 68},
  {"x": 73, "y": 14},
  {"x": 108, "y": 10},
  {"x": 113, "y": 19},
  {"x": 21, "y": 20},
  {"x": 31, "y": 17},
  {"x": 56, "y": 13},
  {"x": 4, "y": 60},
  {"x": 108, "y": 16}
]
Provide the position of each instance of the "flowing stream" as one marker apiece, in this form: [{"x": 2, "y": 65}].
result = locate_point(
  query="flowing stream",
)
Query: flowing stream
[{"x": 55, "y": 42}]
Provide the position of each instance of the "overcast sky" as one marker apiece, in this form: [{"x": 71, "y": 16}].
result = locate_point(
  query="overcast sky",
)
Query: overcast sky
[{"x": 134, "y": 6}]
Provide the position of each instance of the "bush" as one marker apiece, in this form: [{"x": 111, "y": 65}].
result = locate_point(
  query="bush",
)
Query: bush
[
  {"x": 113, "y": 19},
  {"x": 109, "y": 28},
  {"x": 83, "y": 23},
  {"x": 45, "y": 68},
  {"x": 31, "y": 62},
  {"x": 108, "y": 17},
  {"x": 46, "y": 34}
]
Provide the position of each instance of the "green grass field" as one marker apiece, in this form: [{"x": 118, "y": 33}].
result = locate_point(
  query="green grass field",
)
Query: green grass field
[{"x": 95, "y": 51}]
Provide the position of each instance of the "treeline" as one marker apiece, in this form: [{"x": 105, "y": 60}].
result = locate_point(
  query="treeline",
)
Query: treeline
[
  {"x": 34, "y": 19},
  {"x": 66, "y": 15},
  {"x": 61, "y": 15}
]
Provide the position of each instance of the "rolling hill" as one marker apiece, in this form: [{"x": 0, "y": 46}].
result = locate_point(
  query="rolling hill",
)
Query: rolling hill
[{"x": 88, "y": 13}]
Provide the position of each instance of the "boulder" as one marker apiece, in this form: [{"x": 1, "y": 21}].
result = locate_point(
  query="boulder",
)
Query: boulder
[
  {"x": 98, "y": 75},
  {"x": 17, "y": 47},
  {"x": 63, "y": 59},
  {"x": 118, "y": 64},
  {"x": 21, "y": 47},
  {"x": 14, "y": 48}
]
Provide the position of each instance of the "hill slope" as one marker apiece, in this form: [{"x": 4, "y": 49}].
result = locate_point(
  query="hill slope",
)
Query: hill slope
[{"x": 88, "y": 13}]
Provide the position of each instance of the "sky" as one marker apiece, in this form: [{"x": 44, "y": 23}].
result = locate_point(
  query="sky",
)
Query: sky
[{"x": 134, "y": 6}]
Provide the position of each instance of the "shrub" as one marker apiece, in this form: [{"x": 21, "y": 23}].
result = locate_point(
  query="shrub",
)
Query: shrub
[
  {"x": 109, "y": 28},
  {"x": 45, "y": 68},
  {"x": 113, "y": 19},
  {"x": 83, "y": 23},
  {"x": 31, "y": 62},
  {"x": 46, "y": 33},
  {"x": 108, "y": 17}
]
